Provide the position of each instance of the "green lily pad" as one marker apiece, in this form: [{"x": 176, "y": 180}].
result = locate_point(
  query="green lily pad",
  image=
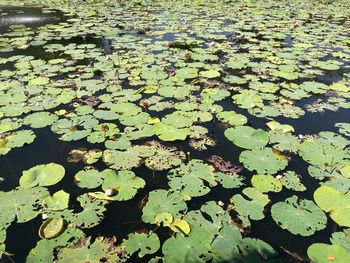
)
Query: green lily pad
[
  {"x": 58, "y": 201},
  {"x": 192, "y": 248},
  {"x": 232, "y": 118},
  {"x": 264, "y": 161},
  {"x": 39, "y": 81},
  {"x": 251, "y": 207},
  {"x": 177, "y": 119},
  {"x": 190, "y": 179},
  {"x": 44, "y": 249},
  {"x": 291, "y": 181},
  {"x": 229, "y": 180},
  {"x": 266, "y": 183},
  {"x": 187, "y": 73},
  {"x": 101, "y": 249},
  {"x": 42, "y": 175},
  {"x": 162, "y": 201},
  {"x": 274, "y": 125},
  {"x": 122, "y": 160},
  {"x": 334, "y": 203},
  {"x": 21, "y": 204},
  {"x": 248, "y": 99},
  {"x": 142, "y": 243},
  {"x": 164, "y": 157},
  {"x": 235, "y": 80},
  {"x": 15, "y": 140},
  {"x": 89, "y": 178},
  {"x": 40, "y": 119},
  {"x": 288, "y": 214},
  {"x": 323, "y": 253},
  {"x": 125, "y": 183},
  {"x": 210, "y": 74},
  {"x": 247, "y": 137},
  {"x": 342, "y": 238},
  {"x": 92, "y": 214},
  {"x": 51, "y": 228},
  {"x": 167, "y": 132}
]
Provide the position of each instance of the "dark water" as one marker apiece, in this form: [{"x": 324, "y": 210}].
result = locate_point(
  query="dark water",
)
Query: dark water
[
  {"x": 122, "y": 218},
  {"x": 30, "y": 16}
]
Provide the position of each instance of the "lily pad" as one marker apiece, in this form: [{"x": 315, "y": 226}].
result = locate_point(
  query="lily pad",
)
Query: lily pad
[
  {"x": 101, "y": 249},
  {"x": 142, "y": 243},
  {"x": 190, "y": 179},
  {"x": 192, "y": 248},
  {"x": 58, "y": 201},
  {"x": 21, "y": 204},
  {"x": 334, "y": 203},
  {"x": 51, "y": 228},
  {"x": 162, "y": 201},
  {"x": 263, "y": 161},
  {"x": 44, "y": 249},
  {"x": 251, "y": 206},
  {"x": 323, "y": 253},
  {"x": 125, "y": 183},
  {"x": 266, "y": 183},
  {"x": 42, "y": 175},
  {"x": 247, "y": 137},
  {"x": 232, "y": 118},
  {"x": 167, "y": 132},
  {"x": 288, "y": 214}
]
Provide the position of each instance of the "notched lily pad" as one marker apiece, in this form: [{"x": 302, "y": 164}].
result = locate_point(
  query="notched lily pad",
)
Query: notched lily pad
[
  {"x": 42, "y": 175},
  {"x": 288, "y": 215}
]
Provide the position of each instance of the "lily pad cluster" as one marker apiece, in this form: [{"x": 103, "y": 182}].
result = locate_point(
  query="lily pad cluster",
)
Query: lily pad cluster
[{"x": 196, "y": 111}]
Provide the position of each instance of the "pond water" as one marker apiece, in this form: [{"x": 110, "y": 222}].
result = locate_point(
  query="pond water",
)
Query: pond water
[{"x": 191, "y": 132}]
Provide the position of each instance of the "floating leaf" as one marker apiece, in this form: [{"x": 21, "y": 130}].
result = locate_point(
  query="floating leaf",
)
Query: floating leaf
[
  {"x": 274, "y": 125},
  {"x": 288, "y": 214},
  {"x": 190, "y": 179},
  {"x": 170, "y": 133},
  {"x": 164, "y": 218},
  {"x": 232, "y": 118},
  {"x": 181, "y": 226},
  {"x": 229, "y": 180},
  {"x": 187, "y": 73},
  {"x": 21, "y": 204},
  {"x": 101, "y": 249},
  {"x": 162, "y": 201},
  {"x": 164, "y": 157},
  {"x": 42, "y": 175},
  {"x": 40, "y": 119},
  {"x": 266, "y": 183},
  {"x": 334, "y": 203},
  {"x": 39, "y": 81},
  {"x": 142, "y": 243},
  {"x": 247, "y": 137},
  {"x": 262, "y": 161},
  {"x": 342, "y": 238},
  {"x": 89, "y": 178},
  {"x": 192, "y": 248},
  {"x": 58, "y": 201},
  {"x": 323, "y": 253},
  {"x": 92, "y": 213},
  {"x": 125, "y": 183},
  {"x": 121, "y": 160},
  {"x": 44, "y": 249},
  {"x": 248, "y": 99},
  {"x": 291, "y": 181},
  {"x": 210, "y": 74},
  {"x": 252, "y": 206},
  {"x": 51, "y": 228}
]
